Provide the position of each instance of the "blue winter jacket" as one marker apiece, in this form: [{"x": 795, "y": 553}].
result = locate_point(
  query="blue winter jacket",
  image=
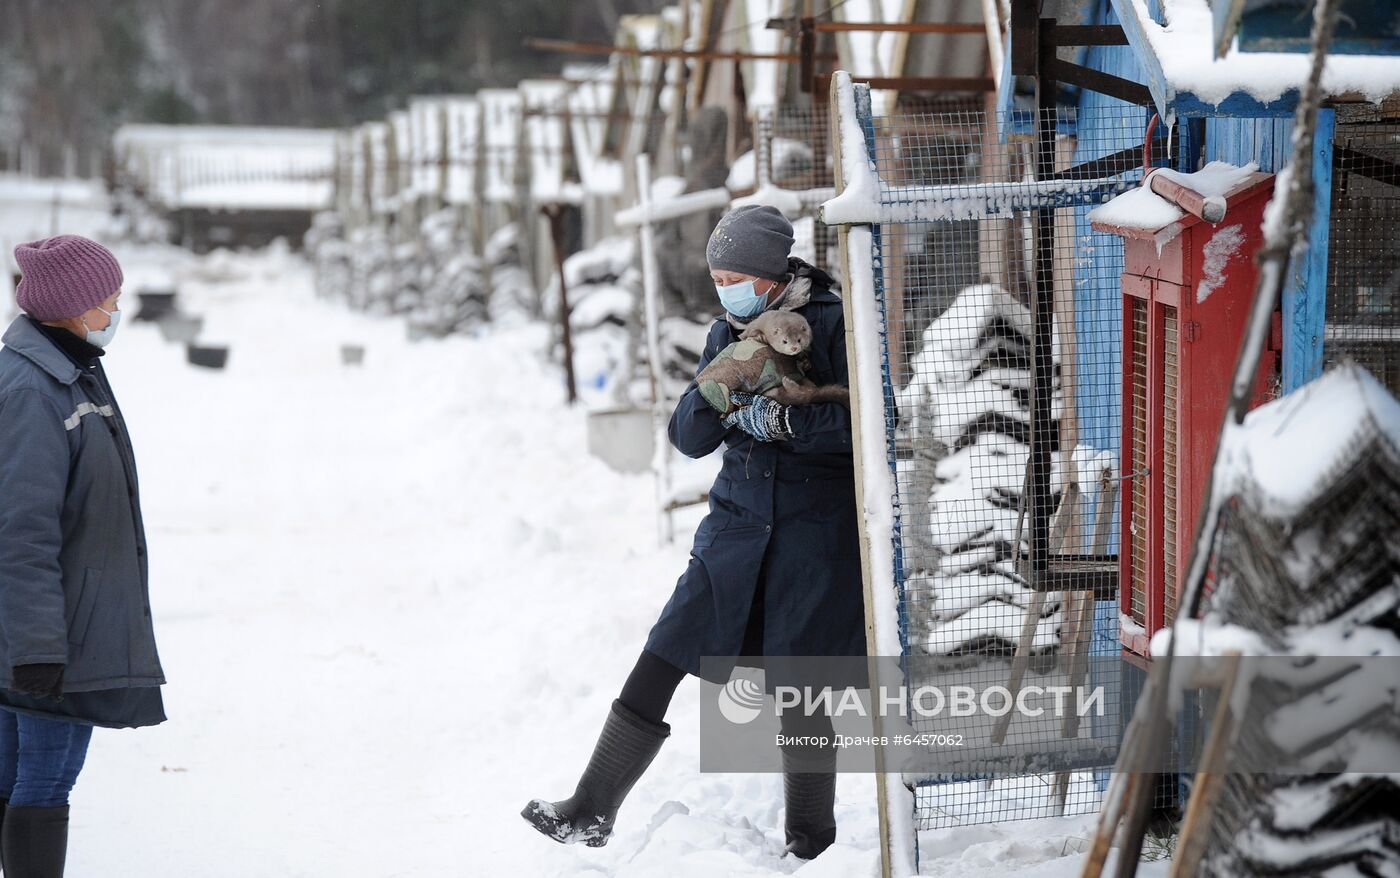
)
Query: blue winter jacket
[
  {"x": 782, "y": 522},
  {"x": 73, "y": 566}
]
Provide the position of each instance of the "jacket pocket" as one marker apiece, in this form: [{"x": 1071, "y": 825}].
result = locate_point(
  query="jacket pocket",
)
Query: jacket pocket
[{"x": 87, "y": 600}]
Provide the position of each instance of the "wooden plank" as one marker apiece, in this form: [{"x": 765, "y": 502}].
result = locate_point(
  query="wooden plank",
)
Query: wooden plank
[
  {"x": 1122, "y": 787},
  {"x": 1351, "y": 161},
  {"x": 1087, "y": 35},
  {"x": 991, "y": 21},
  {"x": 1040, "y": 506},
  {"x": 807, "y": 51},
  {"x": 1097, "y": 80},
  {"x": 918, "y": 27},
  {"x": 1305, "y": 293},
  {"x": 1020, "y": 660},
  {"x": 920, "y": 83},
  {"x": 568, "y": 46},
  {"x": 1195, "y": 829},
  {"x": 1025, "y": 39},
  {"x": 858, "y": 439},
  {"x": 1110, "y": 165},
  {"x": 1079, "y": 612}
]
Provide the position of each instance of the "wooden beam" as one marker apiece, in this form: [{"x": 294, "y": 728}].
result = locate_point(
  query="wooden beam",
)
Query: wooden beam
[
  {"x": 571, "y": 47},
  {"x": 562, "y": 112},
  {"x": 1097, "y": 80},
  {"x": 1195, "y": 828},
  {"x": 900, "y": 28},
  {"x": 1025, "y": 40},
  {"x": 920, "y": 83},
  {"x": 1087, "y": 35},
  {"x": 1110, "y": 165},
  {"x": 1351, "y": 161}
]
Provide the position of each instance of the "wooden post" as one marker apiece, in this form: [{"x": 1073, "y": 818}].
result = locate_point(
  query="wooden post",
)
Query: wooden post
[
  {"x": 555, "y": 213},
  {"x": 857, "y": 450},
  {"x": 1195, "y": 831},
  {"x": 807, "y": 49},
  {"x": 650, "y": 281},
  {"x": 1305, "y": 290},
  {"x": 1042, "y": 323}
]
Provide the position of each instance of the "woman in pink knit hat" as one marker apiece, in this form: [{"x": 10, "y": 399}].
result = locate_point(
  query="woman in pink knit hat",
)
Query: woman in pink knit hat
[{"x": 77, "y": 649}]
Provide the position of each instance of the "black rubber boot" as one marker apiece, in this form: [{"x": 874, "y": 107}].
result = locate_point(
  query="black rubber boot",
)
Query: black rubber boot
[
  {"x": 34, "y": 841},
  {"x": 809, "y": 796},
  {"x": 624, "y": 750}
]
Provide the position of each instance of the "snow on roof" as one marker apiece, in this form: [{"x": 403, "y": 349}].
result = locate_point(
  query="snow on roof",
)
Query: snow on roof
[
  {"x": 1286, "y": 453},
  {"x": 1183, "y": 49},
  {"x": 205, "y": 165}
]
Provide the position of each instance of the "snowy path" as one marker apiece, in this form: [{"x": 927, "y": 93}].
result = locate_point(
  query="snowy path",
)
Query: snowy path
[{"x": 393, "y": 604}]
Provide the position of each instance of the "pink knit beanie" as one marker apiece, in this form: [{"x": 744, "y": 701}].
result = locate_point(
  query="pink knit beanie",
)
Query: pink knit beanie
[{"x": 65, "y": 276}]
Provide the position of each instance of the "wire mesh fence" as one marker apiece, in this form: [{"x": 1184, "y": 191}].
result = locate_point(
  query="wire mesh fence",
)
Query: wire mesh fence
[
  {"x": 1363, "y": 267},
  {"x": 792, "y": 152},
  {"x": 1005, "y": 429}
]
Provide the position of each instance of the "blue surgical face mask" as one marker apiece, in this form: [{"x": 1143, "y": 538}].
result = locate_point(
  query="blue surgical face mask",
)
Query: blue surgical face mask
[
  {"x": 103, "y": 337},
  {"x": 741, "y": 299}
]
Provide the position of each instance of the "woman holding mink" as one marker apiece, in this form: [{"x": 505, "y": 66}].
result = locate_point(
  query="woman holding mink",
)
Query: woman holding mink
[{"x": 775, "y": 566}]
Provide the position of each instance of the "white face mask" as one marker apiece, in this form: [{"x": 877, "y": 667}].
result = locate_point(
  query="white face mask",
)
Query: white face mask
[{"x": 103, "y": 337}]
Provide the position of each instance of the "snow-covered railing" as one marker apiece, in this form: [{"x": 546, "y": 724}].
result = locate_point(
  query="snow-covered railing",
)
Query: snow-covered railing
[
  {"x": 648, "y": 211},
  {"x": 866, "y": 198},
  {"x": 916, "y": 204}
]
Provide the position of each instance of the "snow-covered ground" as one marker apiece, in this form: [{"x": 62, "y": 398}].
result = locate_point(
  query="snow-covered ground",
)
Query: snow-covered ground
[{"x": 393, "y": 603}]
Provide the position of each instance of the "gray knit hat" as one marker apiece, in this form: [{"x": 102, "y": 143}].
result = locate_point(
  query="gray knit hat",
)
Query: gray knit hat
[{"x": 754, "y": 239}]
